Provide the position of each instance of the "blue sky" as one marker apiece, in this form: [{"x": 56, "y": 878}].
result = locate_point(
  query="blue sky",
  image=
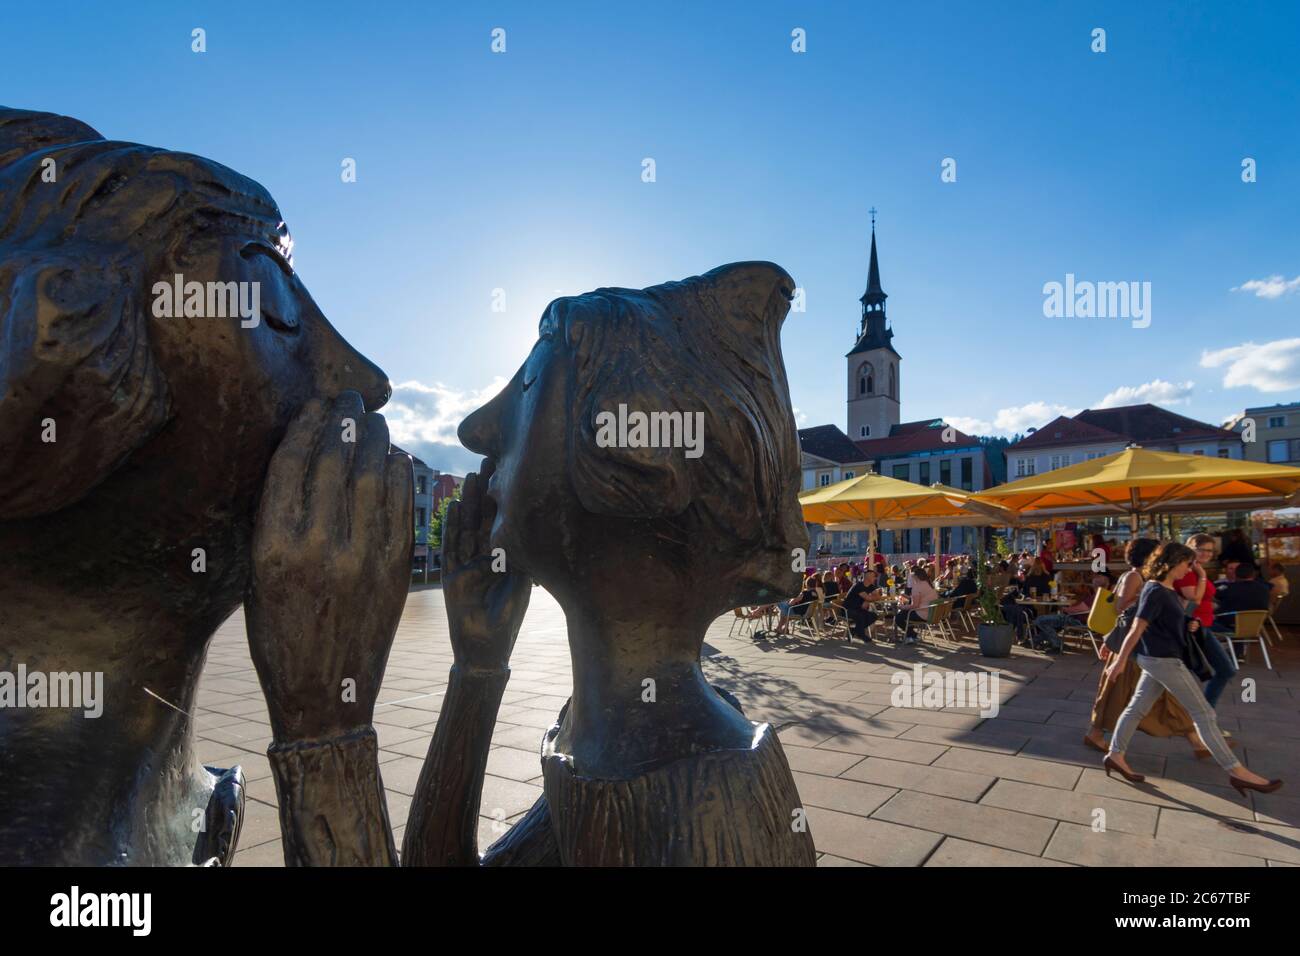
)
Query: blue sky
[{"x": 521, "y": 171}]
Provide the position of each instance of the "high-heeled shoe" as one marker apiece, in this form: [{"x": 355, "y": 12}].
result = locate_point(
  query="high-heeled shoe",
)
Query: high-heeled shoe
[
  {"x": 1128, "y": 775},
  {"x": 1089, "y": 742},
  {"x": 1241, "y": 786}
]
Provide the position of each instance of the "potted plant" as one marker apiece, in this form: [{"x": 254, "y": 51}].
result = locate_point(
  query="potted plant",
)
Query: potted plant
[{"x": 995, "y": 634}]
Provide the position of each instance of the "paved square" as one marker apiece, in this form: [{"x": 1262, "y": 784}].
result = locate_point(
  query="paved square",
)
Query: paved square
[{"x": 883, "y": 785}]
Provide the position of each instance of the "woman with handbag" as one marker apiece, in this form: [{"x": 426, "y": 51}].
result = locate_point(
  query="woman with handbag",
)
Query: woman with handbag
[
  {"x": 1162, "y": 633},
  {"x": 1167, "y": 717}
]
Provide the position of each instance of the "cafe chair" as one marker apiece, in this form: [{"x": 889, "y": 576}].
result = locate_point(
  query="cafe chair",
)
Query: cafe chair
[{"x": 1248, "y": 628}]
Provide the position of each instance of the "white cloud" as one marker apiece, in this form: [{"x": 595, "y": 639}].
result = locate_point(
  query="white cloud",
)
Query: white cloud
[
  {"x": 423, "y": 419},
  {"x": 1014, "y": 420},
  {"x": 1157, "y": 392},
  {"x": 1274, "y": 287},
  {"x": 800, "y": 418},
  {"x": 1269, "y": 366}
]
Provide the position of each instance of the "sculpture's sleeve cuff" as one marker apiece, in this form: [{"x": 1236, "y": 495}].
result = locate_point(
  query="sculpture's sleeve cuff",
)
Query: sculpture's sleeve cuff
[{"x": 332, "y": 808}]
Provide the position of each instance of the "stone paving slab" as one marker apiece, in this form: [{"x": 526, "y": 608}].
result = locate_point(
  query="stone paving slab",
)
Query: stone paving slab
[{"x": 883, "y": 785}]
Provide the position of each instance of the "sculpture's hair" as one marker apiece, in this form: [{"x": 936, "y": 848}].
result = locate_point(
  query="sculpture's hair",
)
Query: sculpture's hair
[
  {"x": 710, "y": 344},
  {"x": 86, "y": 226}
]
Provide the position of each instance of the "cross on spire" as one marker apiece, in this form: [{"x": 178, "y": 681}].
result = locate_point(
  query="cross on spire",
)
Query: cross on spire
[{"x": 872, "y": 210}]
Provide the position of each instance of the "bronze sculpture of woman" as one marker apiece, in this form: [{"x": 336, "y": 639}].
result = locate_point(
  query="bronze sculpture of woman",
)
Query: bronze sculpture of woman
[{"x": 260, "y": 446}]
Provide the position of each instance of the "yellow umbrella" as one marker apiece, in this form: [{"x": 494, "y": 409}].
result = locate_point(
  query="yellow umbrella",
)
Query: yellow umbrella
[
  {"x": 872, "y": 500},
  {"x": 1138, "y": 481}
]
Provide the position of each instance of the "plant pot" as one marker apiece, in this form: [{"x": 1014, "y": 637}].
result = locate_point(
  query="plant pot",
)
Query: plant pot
[{"x": 996, "y": 639}]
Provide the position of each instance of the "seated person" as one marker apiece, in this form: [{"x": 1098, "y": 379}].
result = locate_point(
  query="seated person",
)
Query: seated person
[
  {"x": 917, "y": 607},
  {"x": 1046, "y": 628},
  {"x": 1246, "y": 592},
  {"x": 965, "y": 585},
  {"x": 857, "y": 605},
  {"x": 798, "y": 605},
  {"x": 1279, "y": 586},
  {"x": 1037, "y": 579}
]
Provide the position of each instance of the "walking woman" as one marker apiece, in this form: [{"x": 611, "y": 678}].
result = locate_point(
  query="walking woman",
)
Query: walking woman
[
  {"x": 1159, "y": 634},
  {"x": 1167, "y": 717}
]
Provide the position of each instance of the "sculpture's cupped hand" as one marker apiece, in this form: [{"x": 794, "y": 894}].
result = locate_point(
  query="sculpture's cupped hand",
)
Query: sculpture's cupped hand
[
  {"x": 331, "y": 567},
  {"x": 486, "y": 597}
]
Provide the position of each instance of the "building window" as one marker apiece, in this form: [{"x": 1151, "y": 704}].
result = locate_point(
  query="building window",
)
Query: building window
[
  {"x": 848, "y": 474},
  {"x": 1026, "y": 467},
  {"x": 893, "y": 383},
  {"x": 866, "y": 430},
  {"x": 866, "y": 379},
  {"x": 1277, "y": 421},
  {"x": 419, "y": 517},
  {"x": 967, "y": 474},
  {"x": 945, "y": 471},
  {"x": 1060, "y": 461},
  {"x": 420, "y": 487},
  {"x": 824, "y": 480},
  {"x": 924, "y": 469},
  {"x": 1278, "y": 451},
  {"x": 903, "y": 472},
  {"x": 1224, "y": 453},
  {"x": 1198, "y": 451}
]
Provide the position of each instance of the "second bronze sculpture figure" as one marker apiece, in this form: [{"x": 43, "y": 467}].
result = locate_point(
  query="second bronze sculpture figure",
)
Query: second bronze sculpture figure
[{"x": 619, "y": 535}]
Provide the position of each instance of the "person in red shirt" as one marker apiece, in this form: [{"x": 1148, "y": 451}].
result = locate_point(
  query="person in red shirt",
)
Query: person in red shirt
[
  {"x": 1045, "y": 555},
  {"x": 1197, "y": 588}
]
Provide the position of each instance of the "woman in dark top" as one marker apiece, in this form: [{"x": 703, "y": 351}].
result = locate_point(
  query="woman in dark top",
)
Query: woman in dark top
[
  {"x": 1160, "y": 633},
  {"x": 799, "y": 605},
  {"x": 1167, "y": 718},
  {"x": 1037, "y": 579}
]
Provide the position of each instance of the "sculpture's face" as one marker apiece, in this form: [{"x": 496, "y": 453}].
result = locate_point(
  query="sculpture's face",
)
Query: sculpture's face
[
  {"x": 524, "y": 430},
  {"x": 235, "y": 383}
]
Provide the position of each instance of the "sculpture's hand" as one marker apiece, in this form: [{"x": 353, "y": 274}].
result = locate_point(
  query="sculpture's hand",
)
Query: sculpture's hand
[
  {"x": 331, "y": 567},
  {"x": 484, "y": 606}
]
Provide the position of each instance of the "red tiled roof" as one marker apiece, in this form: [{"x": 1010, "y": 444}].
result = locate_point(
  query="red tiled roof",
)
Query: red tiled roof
[
  {"x": 909, "y": 437},
  {"x": 1146, "y": 423},
  {"x": 1067, "y": 431},
  {"x": 827, "y": 441}
]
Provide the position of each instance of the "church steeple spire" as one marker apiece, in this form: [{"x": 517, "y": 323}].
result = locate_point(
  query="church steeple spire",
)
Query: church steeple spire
[
  {"x": 874, "y": 298},
  {"x": 874, "y": 363},
  {"x": 873, "y": 330}
]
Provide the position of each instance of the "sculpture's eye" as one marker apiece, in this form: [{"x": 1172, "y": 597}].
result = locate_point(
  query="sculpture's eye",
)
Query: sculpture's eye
[
  {"x": 275, "y": 255},
  {"x": 532, "y": 367},
  {"x": 547, "y": 332}
]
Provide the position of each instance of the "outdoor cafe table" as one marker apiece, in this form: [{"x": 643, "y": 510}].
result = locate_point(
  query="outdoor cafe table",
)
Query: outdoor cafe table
[{"x": 1046, "y": 603}]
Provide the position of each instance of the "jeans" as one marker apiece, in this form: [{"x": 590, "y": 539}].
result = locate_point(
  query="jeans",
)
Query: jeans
[
  {"x": 906, "y": 618},
  {"x": 1169, "y": 673},
  {"x": 1048, "y": 627},
  {"x": 860, "y": 623},
  {"x": 1224, "y": 669}
]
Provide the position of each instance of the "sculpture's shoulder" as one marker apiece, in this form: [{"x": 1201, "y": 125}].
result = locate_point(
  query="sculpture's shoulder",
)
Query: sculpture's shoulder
[{"x": 722, "y": 808}]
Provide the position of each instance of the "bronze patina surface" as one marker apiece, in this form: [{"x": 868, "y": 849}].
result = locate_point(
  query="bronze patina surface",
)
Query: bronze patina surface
[{"x": 256, "y": 444}]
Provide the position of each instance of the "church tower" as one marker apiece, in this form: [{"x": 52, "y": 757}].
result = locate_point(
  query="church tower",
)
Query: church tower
[{"x": 873, "y": 363}]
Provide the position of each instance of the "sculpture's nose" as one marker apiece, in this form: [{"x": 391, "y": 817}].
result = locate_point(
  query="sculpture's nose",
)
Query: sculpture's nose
[
  {"x": 480, "y": 432},
  {"x": 339, "y": 367}
]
